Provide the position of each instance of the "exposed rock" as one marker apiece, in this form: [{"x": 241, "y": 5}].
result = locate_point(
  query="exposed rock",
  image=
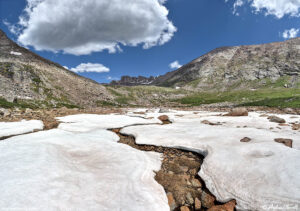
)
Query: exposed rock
[
  {"x": 246, "y": 139},
  {"x": 238, "y": 112},
  {"x": 171, "y": 201},
  {"x": 164, "y": 118},
  {"x": 264, "y": 115},
  {"x": 140, "y": 112},
  {"x": 4, "y": 112},
  {"x": 31, "y": 77},
  {"x": 196, "y": 183},
  {"x": 185, "y": 189},
  {"x": 296, "y": 127},
  {"x": 283, "y": 124},
  {"x": 197, "y": 204},
  {"x": 163, "y": 110},
  {"x": 133, "y": 81},
  {"x": 229, "y": 206},
  {"x": 286, "y": 142},
  {"x": 227, "y": 66},
  {"x": 28, "y": 110},
  {"x": 289, "y": 111},
  {"x": 276, "y": 119},
  {"x": 184, "y": 208},
  {"x": 189, "y": 198},
  {"x": 209, "y": 123},
  {"x": 207, "y": 200},
  {"x": 50, "y": 124}
]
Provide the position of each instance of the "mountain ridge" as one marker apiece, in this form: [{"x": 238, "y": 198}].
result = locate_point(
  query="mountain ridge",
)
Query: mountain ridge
[
  {"x": 230, "y": 64},
  {"x": 26, "y": 76}
]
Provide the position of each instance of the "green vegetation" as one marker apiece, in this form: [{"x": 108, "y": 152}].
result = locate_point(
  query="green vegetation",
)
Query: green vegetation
[
  {"x": 103, "y": 103},
  {"x": 289, "y": 102},
  {"x": 280, "y": 97},
  {"x": 33, "y": 104},
  {"x": 5, "y": 104},
  {"x": 5, "y": 70}
]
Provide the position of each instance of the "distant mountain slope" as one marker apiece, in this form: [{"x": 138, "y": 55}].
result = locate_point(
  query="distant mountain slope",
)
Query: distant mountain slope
[
  {"x": 231, "y": 66},
  {"x": 25, "y": 76}
]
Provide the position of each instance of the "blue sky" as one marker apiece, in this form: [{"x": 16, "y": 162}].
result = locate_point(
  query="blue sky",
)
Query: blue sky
[{"x": 201, "y": 26}]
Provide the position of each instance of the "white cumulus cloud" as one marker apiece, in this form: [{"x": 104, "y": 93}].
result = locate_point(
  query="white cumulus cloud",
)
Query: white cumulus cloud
[
  {"x": 277, "y": 8},
  {"x": 81, "y": 27},
  {"x": 290, "y": 33},
  {"x": 89, "y": 67},
  {"x": 175, "y": 65}
]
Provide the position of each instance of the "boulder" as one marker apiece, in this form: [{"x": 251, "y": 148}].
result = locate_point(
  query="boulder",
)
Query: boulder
[
  {"x": 229, "y": 206},
  {"x": 207, "y": 200},
  {"x": 164, "y": 110},
  {"x": 189, "y": 198},
  {"x": 165, "y": 119},
  {"x": 184, "y": 208},
  {"x": 246, "y": 139},
  {"x": 276, "y": 119},
  {"x": 197, "y": 204},
  {"x": 28, "y": 110},
  {"x": 289, "y": 111},
  {"x": 196, "y": 183},
  {"x": 238, "y": 112},
  {"x": 286, "y": 142},
  {"x": 209, "y": 123},
  {"x": 4, "y": 112},
  {"x": 296, "y": 127},
  {"x": 171, "y": 201}
]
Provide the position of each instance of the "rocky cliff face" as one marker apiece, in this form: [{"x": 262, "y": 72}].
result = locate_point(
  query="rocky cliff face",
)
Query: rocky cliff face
[
  {"x": 228, "y": 66},
  {"x": 25, "y": 76},
  {"x": 134, "y": 81}
]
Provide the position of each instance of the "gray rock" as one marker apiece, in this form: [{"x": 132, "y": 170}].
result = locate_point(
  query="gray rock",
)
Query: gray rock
[
  {"x": 189, "y": 198},
  {"x": 164, "y": 110},
  {"x": 4, "y": 112},
  {"x": 276, "y": 119}
]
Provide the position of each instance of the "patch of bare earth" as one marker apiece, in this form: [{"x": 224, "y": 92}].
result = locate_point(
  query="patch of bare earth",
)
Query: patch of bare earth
[{"x": 185, "y": 190}]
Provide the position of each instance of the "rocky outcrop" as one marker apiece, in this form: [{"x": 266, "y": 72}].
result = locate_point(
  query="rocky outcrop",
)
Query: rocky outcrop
[
  {"x": 134, "y": 81},
  {"x": 25, "y": 76},
  {"x": 228, "y": 67}
]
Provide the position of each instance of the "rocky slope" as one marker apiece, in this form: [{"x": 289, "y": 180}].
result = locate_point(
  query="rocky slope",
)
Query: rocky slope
[
  {"x": 134, "y": 81},
  {"x": 27, "y": 77},
  {"x": 227, "y": 67}
]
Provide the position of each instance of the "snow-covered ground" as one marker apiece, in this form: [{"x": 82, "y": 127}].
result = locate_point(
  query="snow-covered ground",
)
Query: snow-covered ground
[
  {"x": 89, "y": 122},
  {"x": 62, "y": 170},
  {"x": 17, "y": 128},
  {"x": 80, "y": 165},
  {"x": 260, "y": 174}
]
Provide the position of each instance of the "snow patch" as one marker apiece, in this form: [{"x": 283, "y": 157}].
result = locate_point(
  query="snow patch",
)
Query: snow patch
[
  {"x": 17, "y": 128},
  {"x": 260, "y": 174},
  {"x": 89, "y": 122},
  {"x": 61, "y": 170},
  {"x": 15, "y": 53}
]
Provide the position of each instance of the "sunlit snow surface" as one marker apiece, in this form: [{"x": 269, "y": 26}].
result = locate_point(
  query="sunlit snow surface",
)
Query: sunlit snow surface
[
  {"x": 63, "y": 170},
  {"x": 260, "y": 174},
  {"x": 17, "y": 128},
  {"x": 80, "y": 166},
  {"x": 88, "y": 122}
]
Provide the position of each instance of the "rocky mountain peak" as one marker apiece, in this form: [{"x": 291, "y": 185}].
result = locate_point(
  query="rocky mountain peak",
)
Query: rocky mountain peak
[{"x": 226, "y": 67}]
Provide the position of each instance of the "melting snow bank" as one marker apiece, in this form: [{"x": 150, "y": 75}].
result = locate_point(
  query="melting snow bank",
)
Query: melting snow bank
[
  {"x": 89, "y": 122},
  {"x": 61, "y": 170},
  {"x": 260, "y": 174},
  {"x": 8, "y": 129}
]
